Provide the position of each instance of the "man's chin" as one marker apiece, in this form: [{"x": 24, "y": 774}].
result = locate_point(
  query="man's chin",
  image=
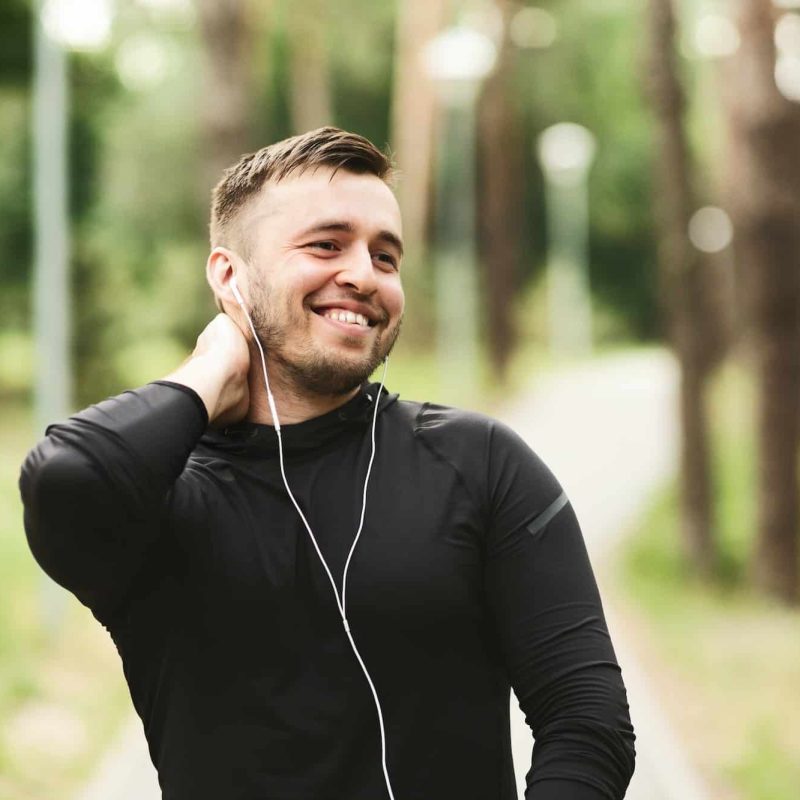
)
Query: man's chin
[
  {"x": 331, "y": 377},
  {"x": 333, "y": 369}
]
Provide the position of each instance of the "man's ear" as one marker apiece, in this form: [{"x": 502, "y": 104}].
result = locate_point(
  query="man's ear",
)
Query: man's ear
[{"x": 220, "y": 268}]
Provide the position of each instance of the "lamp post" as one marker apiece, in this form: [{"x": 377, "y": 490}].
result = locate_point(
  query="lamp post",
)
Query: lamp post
[
  {"x": 457, "y": 61},
  {"x": 58, "y": 24},
  {"x": 566, "y": 151}
]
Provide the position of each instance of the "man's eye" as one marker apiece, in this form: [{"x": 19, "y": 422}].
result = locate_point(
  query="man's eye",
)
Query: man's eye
[
  {"x": 387, "y": 258},
  {"x": 330, "y": 246}
]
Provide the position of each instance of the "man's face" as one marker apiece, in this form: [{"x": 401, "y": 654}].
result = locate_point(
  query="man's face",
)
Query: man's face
[{"x": 324, "y": 281}]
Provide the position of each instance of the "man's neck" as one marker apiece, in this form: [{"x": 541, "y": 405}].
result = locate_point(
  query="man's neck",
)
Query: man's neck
[{"x": 293, "y": 405}]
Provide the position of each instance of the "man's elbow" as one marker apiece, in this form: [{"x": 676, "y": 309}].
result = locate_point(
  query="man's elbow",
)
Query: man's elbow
[
  {"x": 56, "y": 485},
  {"x": 597, "y": 754}
]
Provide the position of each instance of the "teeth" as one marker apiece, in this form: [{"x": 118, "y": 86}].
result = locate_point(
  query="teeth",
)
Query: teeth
[{"x": 342, "y": 315}]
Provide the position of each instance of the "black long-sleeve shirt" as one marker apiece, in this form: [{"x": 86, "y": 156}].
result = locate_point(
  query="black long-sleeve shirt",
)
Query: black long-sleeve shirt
[{"x": 470, "y": 577}]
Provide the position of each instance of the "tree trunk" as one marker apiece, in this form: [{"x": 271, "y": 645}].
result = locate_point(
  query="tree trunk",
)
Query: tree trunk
[
  {"x": 309, "y": 69},
  {"x": 226, "y": 27},
  {"x": 764, "y": 131},
  {"x": 692, "y": 332},
  {"x": 413, "y": 141},
  {"x": 500, "y": 206}
]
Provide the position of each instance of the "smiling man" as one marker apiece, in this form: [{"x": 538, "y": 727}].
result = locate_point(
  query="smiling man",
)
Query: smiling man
[{"x": 319, "y": 591}]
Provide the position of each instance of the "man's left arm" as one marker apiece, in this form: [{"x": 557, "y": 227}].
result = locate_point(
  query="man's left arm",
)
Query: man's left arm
[{"x": 552, "y": 631}]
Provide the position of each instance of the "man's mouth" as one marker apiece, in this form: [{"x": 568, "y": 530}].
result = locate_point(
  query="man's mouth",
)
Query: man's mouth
[
  {"x": 348, "y": 311},
  {"x": 345, "y": 316}
]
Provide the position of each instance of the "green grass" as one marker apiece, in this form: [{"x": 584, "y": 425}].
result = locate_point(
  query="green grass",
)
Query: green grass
[{"x": 732, "y": 656}]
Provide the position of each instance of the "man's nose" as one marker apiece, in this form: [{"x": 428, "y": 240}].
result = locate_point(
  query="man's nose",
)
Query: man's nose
[{"x": 358, "y": 272}]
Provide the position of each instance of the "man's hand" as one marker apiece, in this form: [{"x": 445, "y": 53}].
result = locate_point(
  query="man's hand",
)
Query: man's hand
[{"x": 217, "y": 370}]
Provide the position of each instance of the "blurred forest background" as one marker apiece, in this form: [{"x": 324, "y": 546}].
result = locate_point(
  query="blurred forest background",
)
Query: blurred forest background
[{"x": 691, "y": 243}]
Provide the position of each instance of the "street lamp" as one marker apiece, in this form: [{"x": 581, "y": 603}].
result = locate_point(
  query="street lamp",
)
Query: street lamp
[
  {"x": 457, "y": 61},
  {"x": 566, "y": 151},
  {"x": 58, "y": 24}
]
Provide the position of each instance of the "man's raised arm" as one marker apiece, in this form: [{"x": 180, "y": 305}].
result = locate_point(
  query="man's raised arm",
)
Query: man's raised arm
[{"x": 94, "y": 488}]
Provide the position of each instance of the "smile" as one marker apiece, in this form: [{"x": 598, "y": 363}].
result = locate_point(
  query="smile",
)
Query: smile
[
  {"x": 345, "y": 317},
  {"x": 346, "y": 321}
]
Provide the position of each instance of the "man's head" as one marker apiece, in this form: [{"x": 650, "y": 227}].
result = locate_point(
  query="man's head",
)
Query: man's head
[{"x": 311, "y": 229}]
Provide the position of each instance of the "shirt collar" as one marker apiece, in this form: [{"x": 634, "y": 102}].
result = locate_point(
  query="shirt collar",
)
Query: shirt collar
[{"x": 253, "y": 437}]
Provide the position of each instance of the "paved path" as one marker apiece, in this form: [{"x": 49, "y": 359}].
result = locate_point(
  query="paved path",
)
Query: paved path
[{"x": 607, "y": 430}]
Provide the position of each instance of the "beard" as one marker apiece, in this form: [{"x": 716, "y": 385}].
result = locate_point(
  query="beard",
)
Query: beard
[{"x": 307, "y": 366}]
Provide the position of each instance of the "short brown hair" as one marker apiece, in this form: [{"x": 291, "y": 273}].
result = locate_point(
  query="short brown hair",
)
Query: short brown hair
[{"x": 323, "y": 147}]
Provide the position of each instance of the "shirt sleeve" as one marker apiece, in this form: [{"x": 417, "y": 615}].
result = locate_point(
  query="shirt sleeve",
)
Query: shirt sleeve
[
  {"x": 95, "y": 487},
  {"x": 552, "y": 632}
]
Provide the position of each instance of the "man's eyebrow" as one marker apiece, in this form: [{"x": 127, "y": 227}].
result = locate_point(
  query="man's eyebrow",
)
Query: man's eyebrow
[{"x": 348, "y": 227}]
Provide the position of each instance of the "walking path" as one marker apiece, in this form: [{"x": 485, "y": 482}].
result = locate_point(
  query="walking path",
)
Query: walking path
[{"x": 607, "y": 429}]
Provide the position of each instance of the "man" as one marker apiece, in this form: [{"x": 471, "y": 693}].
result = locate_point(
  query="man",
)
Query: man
[{"x": 268, "y": 655}]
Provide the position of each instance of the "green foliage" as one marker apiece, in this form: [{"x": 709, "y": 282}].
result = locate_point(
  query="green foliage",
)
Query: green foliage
[
  {"x": 15, "y": 208},
  {"x": 16, "y": 364},
  {"x": 362, "y": 71},
  {"x": 15, "y": 42},
  {"x": 768, "y": 771}
]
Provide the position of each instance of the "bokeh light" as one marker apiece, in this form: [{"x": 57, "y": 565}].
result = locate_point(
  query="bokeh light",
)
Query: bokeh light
[
  {"x": 787, "y": 77},
  {"x": 78, "y": 24},
  {"x": 566, "y": 151},
  {"x": 787, "y": 34},
  {"x": 711, "y": 229},
  {"x": 142, "y": 62},
  {"x": 459, "y": 54},
  {"x": 716, "y": 36},
  {"x": 533, "y": 27}
]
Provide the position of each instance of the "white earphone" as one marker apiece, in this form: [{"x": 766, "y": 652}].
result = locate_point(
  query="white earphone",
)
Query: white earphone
[
  {"x": 236, "y": 293},
  {"x": 341, "y": 601}
]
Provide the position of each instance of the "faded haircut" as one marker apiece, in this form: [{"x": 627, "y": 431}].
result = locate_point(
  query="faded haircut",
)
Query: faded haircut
[{"x": 323, "y": 147}]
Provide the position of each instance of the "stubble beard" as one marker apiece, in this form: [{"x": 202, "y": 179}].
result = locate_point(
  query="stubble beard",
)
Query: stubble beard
[{"x": 309, "y": 368}]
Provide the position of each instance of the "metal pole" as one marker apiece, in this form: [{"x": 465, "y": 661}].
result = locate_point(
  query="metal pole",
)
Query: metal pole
[
  {"x": 51, "y": 251},
  {"x": 456, "y": 267},
  {"x": 566, "y": 151},
  {"x": 569, "y": 303}
]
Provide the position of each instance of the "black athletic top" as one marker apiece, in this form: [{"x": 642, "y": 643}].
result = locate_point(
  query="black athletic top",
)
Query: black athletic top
[{"x": 470, "y": 576}]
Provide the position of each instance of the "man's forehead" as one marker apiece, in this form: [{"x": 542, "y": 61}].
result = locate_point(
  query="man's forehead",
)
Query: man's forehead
[{"x": 313, "y": 201}]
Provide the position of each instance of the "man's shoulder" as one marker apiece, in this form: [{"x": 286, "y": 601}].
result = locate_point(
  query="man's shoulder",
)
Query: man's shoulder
[
  {"x": 458, "y": 429},
  {"x": 427, "y": 416}
]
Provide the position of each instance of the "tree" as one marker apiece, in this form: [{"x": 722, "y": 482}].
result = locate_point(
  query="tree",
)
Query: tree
[
  {"x": 412, "y": 131},
  {"x": 693, "y": 333},
  {"x": 309, "y": 66},
  {"x": 226, "y": 27},
  {"x": 500, "y": 201},
  {"x": 764, "y": 196}
]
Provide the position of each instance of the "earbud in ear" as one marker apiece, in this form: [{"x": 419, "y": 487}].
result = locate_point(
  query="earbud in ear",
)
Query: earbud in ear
[{"x": 236, "y": 293}]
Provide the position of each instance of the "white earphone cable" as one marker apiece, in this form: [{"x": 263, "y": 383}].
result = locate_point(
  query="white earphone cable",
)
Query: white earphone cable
[{"x": 340, "y": 601}]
